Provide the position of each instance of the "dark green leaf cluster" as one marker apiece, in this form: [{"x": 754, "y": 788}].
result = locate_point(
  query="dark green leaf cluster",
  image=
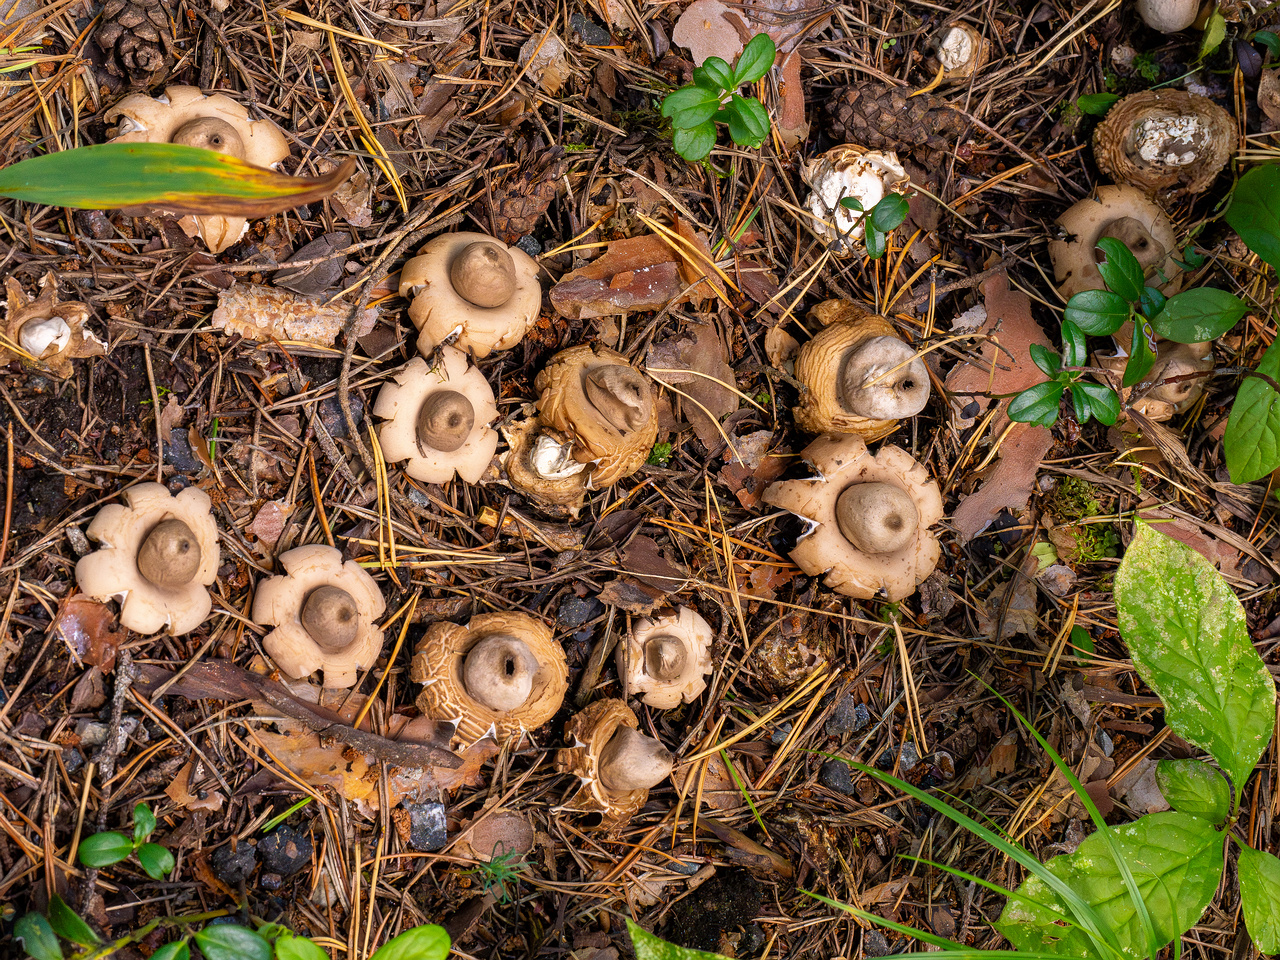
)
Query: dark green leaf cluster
[
  {"x": 1252, "y": 440},
  {"x": 104, "y": 849},
  {"x": 880, "y": 221},
  {"x": 1194, "y": 316},
  {"x": 712, "y": 98}
]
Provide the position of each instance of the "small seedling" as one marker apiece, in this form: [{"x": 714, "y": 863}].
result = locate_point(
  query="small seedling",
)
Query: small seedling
[
  {"x": 104, "y": 849},
  {"x": 712, "y": 98},
  {"x": 1194, "y": 316},
  {"x": 880, "y": 221},
  {"x": 660, "y": 455}
]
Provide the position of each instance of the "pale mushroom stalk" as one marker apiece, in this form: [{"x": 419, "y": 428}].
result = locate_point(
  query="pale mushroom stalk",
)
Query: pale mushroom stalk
[
  {"x": 665, "y": 657},
  {"x": 170, "y": 554},
  {"x": 330, "y": 616},
  {"x": 883, "y": 379},
  {"x": 445, "y": 421},
  {"x": 632, "y": 761},
  {"x": 877, "y": 517},
  {"x": 498, "y": 672}
]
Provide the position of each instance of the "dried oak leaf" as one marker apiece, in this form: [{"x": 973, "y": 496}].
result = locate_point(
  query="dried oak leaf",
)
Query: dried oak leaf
[
  {"x": 651, "y": 578},
  {"x": 1002, "y": 369},
  {"x": 86, "y": 627},
  {"x": 636, "y": 273},
  {"x": 698, "y": 368}
]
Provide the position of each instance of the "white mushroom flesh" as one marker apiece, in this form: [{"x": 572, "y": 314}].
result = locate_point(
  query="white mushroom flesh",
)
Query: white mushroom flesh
[
  {"x": 1171, "y": 141},
  {"x": 50, "y": 334},
  {"x": 867, "y": 179},
  {"x": 553, "y": 460},
  {"x": 955, "y": 49}
]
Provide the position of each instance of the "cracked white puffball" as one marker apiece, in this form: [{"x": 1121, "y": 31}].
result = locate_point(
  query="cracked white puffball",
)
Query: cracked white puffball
[
  {"x": 38, "y": 337},
  {"x": 1169, "y": 140},
  {"x": 846, "y": 172},
  {"x": 955, "y": 48},
  {"x": 553, "y": 460}
]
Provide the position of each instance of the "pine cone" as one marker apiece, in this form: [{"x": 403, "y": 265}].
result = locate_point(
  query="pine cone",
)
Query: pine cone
[
  {"x": 136, "y": 40},
  {"x": 881, "y": 117},
  {"x": 520, "y": 201}
]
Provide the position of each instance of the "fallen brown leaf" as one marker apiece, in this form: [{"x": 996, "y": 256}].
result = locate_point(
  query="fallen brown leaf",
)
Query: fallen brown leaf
[{"x": 86, "y": 627}]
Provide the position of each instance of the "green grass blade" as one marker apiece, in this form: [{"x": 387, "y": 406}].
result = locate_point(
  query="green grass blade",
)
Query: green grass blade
[
  {"x": 947, "y": 949},
  {"x": 993, "y": 887},
  {"x": 165, "y": 176},
  {"x": 742, "y": 788},
  {"x": 1103, "y": 939},
  {"x": 1130, "y": 884}
]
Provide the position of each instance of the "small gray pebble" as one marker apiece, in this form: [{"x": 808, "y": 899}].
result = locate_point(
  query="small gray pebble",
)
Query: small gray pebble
[
  {"x": 234, "y": 866},
  {"x": 848, "y": 717},
  {"x": 838, "y": 777},
  {"x": 874, "y": 944},
  {"x": 426, "y": 826},
  {"x": 909, "y": 757},
  {"x": 780, "y": 734},
  {"x": 592, "y": 34},
  {"x": 284, "y": 851},
  {"x": 575, "y": 611},
  {"x": 529, "y": 245}
]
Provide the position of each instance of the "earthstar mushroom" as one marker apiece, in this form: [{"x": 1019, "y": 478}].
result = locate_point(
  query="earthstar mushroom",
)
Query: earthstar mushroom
[
  {"x": 1168, "y": 16},
  {"x": 215, "y": 122},
  {"x": 615, "y": 764},
  {"x": 871, "y": 517},
  {"x": 539, "y": 463},
  {"x": 861, "y": 377},
  {"x": 324, "y": 612},
  {"x": 1173, "y": 384},
  {"x": 663, "y": 661},
  {"x": 158, "y": 553},
  {"x": 1160, "y": 140},
  {"x": 1125, "y": 213},
  {"x": 501, "y": 676},
  {"x": 436, "y": 418},
  {"x": 591, "y": 395},
  {"x": 472, "y": 291},
  {"x": 50, "y": 332}
]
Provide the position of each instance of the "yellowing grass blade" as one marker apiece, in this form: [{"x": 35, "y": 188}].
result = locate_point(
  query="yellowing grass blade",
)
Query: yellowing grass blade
[{"x": 165, "y": 176}]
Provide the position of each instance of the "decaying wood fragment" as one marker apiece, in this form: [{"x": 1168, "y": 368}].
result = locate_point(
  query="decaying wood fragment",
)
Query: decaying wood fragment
[{"x": 259, "y": 312}]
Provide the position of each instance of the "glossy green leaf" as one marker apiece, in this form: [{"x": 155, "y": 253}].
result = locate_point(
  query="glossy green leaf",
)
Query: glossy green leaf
[
  {"x": 1215, "y": 31},
  {"x": 156, "y": 860},
  {"x": 1104, "y": 405},
  {"x": 1140, "y": 361},
  {"x": 144, "y": 822},
  {"x": 718, "y": 71},
  {"x": 690, "y": 106},
  {"x": 428, "y": 942},
  {"x": 1176, "y": 861},
  {"x": 875, "y": 242},
  {"x": 1097, "y": 104},
  {"x": 1152, "y": 302},
  {"x": 1044, "y": 358},
  {"x": 1199, "y": 315},
  {"x": 1188, "y": 638},
  {"x": 1075, "y": 346},
  {"x": 1252, "y": 439},
  {"x": 748, "y": 121},
  {"x": 755, "y": 60},
  {"x": 1254, "y": 212},
  {"x": 1098, "y": 313},
  {"x": 173, "y": 951},
  {"x": 165, "y": 176},
  {"x": 650, "y": 947},
  {"x": 104, "y": 849},
  {"x": 230, "y": 941},
  {"x": 1195, "y": 787},
  {"x": 1270, "y": 41},
  {"x": 38, "y": 938},
  {"x": 695, "y": 143},
  {"x": 67, "y": 923},
  {"x": 1038, "y": 404},
  {"x": 1120, "y": 269},
  {"x": 1259, "y": 874},
  {"x": 890, "y": 212},
  {"x": 290, "y": 946}
]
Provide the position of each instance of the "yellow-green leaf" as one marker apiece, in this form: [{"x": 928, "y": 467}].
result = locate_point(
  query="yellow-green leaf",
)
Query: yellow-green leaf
[{"x": 162, "y": 176}]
